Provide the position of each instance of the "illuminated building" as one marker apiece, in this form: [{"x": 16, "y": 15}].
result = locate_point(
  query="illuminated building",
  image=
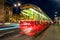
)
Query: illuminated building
[{"x": 1, "y": 11}]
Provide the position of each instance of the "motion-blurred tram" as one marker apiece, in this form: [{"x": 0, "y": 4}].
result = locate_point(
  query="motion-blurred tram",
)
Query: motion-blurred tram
[{"x": 32, "y": 20}]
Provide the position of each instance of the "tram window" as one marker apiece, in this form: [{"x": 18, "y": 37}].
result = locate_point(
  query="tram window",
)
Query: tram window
[{"x": 31, "y": 14}]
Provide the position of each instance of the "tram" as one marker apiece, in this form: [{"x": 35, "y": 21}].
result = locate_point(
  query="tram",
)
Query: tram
[{"x": 32, "y": 20}]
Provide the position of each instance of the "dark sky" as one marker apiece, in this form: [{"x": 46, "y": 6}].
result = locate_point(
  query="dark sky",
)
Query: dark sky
[{"x": 48, "y": 6}]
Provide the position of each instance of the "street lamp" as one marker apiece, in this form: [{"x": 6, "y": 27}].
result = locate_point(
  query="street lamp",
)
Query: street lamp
[
  {"x": 18, "y": 4},
  {"x": 56, "y": 18},
  {"x": 15, "y": 5},
  {"x": 55, "y": 15},
  {"x": 56, "y": 12}
]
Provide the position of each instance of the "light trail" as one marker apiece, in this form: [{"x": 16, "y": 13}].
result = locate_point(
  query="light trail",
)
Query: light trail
[{"x": 7, "y": 28}]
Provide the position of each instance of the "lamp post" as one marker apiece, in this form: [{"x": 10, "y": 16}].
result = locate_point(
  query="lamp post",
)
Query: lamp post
[
  {"x": 56, "y": 18},
  {"x": 16, "y": 6}
]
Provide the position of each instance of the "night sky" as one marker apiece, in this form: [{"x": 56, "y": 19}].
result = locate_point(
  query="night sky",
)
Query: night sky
[{"x": 48, "y": 6}]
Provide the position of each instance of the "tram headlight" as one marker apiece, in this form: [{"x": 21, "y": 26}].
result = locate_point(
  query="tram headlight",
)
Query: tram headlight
[{"x": 27, "y": 30}]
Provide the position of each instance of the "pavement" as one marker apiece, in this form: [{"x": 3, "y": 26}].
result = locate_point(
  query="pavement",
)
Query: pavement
[{"x": 52, "y": 33}]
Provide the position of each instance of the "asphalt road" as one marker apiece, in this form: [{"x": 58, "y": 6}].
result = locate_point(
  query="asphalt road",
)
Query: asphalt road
[{"x": 52, "y": 33}]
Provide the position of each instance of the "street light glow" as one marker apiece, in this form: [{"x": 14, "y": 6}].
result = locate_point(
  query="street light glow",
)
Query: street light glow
[
  {"x": 55, "y": 15},
  {"x": 18, "y": 4},
  {"x": 15, "y": 5},
  {"x": 56, "y": 12}
]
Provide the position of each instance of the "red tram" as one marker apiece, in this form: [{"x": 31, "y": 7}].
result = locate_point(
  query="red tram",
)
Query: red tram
[{"x": 32, "y": 20}]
